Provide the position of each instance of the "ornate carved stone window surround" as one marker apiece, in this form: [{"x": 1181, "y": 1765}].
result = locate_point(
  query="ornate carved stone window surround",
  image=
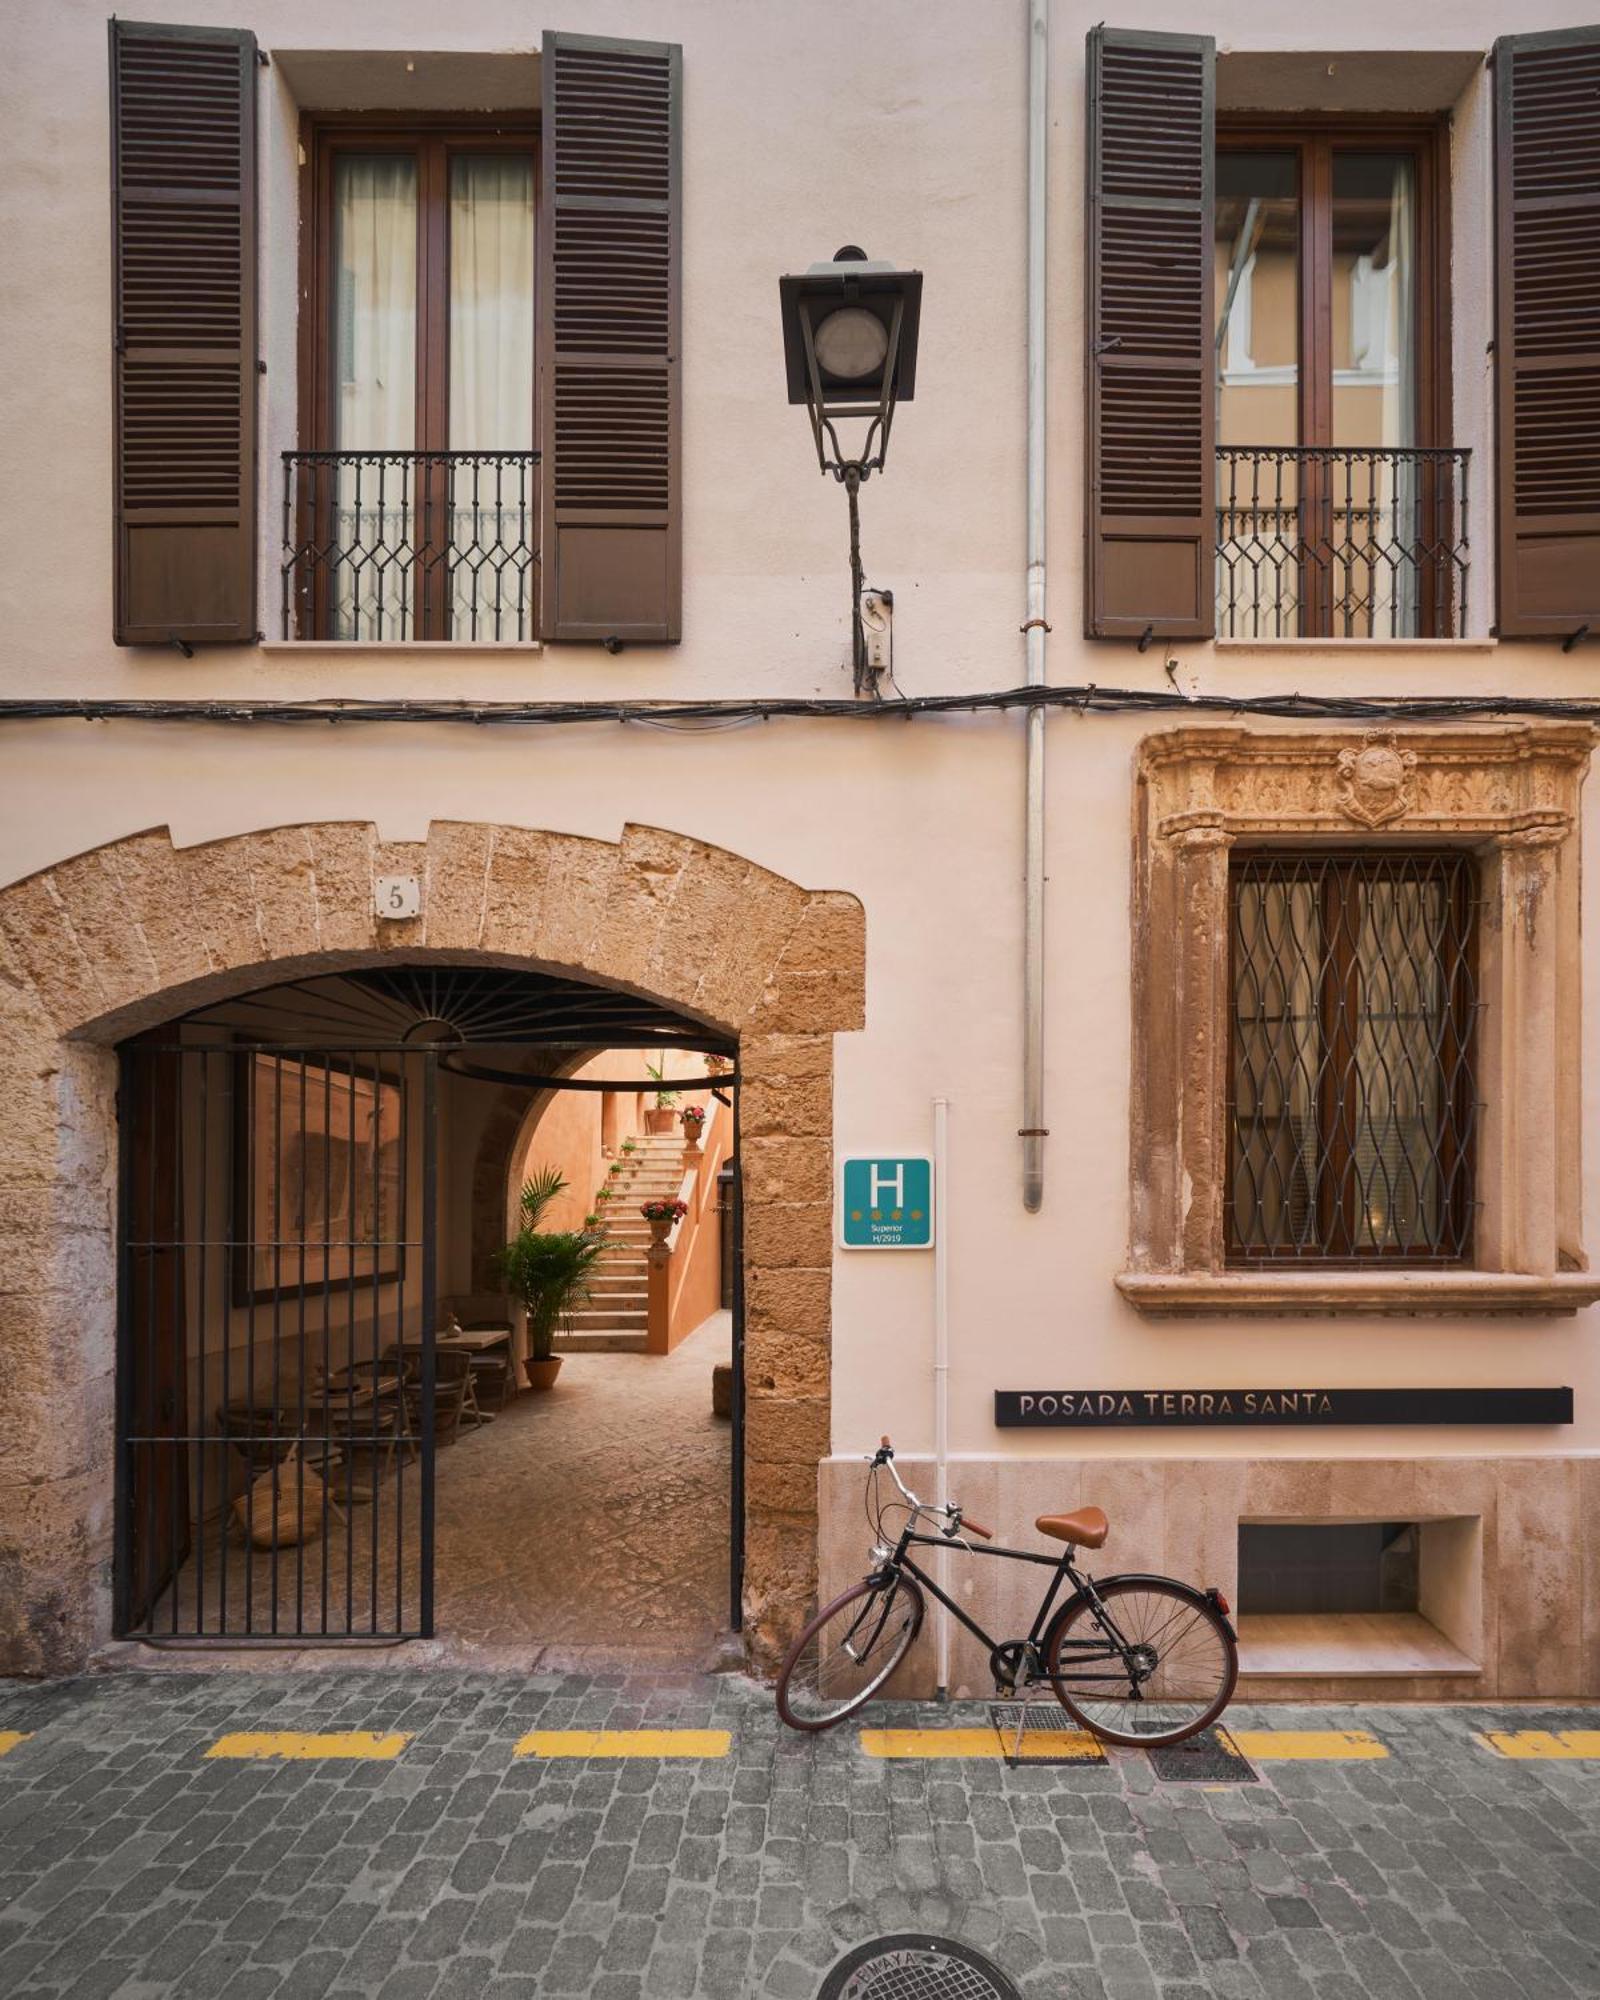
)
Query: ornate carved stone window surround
[{"x": 1508, "y": 794}]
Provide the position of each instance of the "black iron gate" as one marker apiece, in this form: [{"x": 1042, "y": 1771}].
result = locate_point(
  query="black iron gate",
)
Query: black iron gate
[
  {"x": 276, "y": 1378},
  {"x": 279, "y": 1388}
]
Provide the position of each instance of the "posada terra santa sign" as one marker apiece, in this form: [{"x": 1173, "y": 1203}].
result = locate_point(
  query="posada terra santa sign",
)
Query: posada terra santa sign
[{"x": 1134, "y": 1409}]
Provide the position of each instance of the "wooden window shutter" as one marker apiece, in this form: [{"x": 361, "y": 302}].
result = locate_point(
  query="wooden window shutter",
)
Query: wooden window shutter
[
  {"x": 1151, "y": 425},
  {"x": 1547, "y": 332},
  {"x": 183, "y": 230},
  {"x": 609, "y": 381}
]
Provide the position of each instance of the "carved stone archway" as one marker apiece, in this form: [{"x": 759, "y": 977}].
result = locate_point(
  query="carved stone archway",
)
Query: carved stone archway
[{"x": 139, "y": 931}]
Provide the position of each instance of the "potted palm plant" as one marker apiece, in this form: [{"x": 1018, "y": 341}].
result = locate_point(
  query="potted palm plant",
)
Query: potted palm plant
[
  {"x": 549, "y": 1271},
  {"x": 659, "y": 1118}
]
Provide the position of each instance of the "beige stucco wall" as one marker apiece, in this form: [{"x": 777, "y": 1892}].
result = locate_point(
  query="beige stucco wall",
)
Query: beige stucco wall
[{"x": 900, "y": 126}]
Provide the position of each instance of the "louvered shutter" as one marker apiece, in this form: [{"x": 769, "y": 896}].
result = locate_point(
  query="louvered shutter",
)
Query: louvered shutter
[
  {"x": 610, "y": 255},
  {"x": 183, "y": 224},
  {"x": 1151, "y": 427},
  {"x": 1547, "y": 334}
]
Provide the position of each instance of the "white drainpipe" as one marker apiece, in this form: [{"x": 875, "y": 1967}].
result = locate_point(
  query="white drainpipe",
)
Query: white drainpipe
[{"x": 1035, "y": 628}]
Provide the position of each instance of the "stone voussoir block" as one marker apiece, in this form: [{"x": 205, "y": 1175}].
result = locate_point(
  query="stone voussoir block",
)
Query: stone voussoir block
[
  {"x": 44, "y": 942},
  {"x": 284, "y": 879},
  {"x": 342, "y": 872},
  {"x": 514, "y": 889},
  {"x": 155, "y": 896},
  {"x": 458, "y": 873}
]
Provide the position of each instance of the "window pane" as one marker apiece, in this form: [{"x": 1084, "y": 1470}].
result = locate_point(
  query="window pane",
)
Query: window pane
[
  {"x": 1258, "y": 293},
  {"x": 1374, "y": 299},
  {"x": 491, "y": 499},
  {"x": 1376, "y": 499},
  {"x": 1352, "y": 1103},
  {"x": 491, "y": 303},
  {"x": 375, "y": 301},
  {"x": 1257, "y": 282},
  {"x": 375, "y": 365}
]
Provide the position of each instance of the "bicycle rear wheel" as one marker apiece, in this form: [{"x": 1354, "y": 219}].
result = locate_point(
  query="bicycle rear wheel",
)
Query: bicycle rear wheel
[
  {"x": 847, "y": 1653},
  {"x": 1186, "y": 1662}
]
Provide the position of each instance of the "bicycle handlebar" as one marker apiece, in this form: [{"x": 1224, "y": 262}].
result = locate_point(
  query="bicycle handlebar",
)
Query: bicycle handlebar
[
  {"x": 972, "y": 1528},
  {"x": 884, "y": 1456}
]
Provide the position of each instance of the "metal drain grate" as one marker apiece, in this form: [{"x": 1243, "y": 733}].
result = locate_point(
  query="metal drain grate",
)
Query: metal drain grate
[
  {"x": 913, "y": 1966},
  {"x": 1041, "y": 1732},
  {"x": 1211, "y": 1758}
]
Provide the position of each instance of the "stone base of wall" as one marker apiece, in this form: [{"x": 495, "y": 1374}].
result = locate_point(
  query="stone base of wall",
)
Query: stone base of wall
[{"x": 1523, "y": 1584}]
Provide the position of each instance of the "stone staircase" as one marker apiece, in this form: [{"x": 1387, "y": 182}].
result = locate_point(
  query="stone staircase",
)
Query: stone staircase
[{"x": 616, "y": 1318}]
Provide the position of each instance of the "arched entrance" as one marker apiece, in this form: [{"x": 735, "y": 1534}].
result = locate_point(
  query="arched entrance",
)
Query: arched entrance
[
  {"x": 304, "y": 1339},
  {"x": 113, "y": 942}
]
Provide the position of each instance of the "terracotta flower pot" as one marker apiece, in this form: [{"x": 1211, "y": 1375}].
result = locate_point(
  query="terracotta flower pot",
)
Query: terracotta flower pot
[
  {"x": 660, "y": 1228},
  {"x": 542, "y": 1374},
  {"x": 660, "y": 1118}
]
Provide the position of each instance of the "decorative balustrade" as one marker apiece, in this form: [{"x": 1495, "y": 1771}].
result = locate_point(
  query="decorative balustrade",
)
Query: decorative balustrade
[
  {"x": 1345, "y": 543},
  {"x": 402, "y": 545}
]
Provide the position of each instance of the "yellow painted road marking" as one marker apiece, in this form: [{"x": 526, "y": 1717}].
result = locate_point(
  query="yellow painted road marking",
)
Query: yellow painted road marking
[
  {"x": 1544, "y": 1742},
  {"x": 10, "y": 1738},
  {"x": 1275, "y": 1746},
  {"x": 1074, "y": 1743},
  {"x": 625, "y": 1743},
  {"x": 294, "y": 1743}
]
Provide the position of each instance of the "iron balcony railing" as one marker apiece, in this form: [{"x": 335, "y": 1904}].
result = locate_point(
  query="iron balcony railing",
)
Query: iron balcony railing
[
  {"x": 402, "y": 545},
  {"x": 1350, "y": 542}
]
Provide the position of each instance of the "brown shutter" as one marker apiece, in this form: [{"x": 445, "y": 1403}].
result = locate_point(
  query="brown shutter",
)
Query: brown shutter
[
  {"x": 1547, "y": 331},
  {"x": 183, "y": 242},
  {"x": 1151, "y": 517},
  {"x": 609, "y": 262}
]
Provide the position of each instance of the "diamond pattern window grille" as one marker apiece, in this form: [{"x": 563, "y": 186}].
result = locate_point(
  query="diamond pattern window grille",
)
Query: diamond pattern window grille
[{"x": 1352, "y": 1100}]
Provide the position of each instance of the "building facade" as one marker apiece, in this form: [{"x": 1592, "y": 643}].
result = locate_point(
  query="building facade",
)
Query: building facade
[{"x": 427, "y": 378}]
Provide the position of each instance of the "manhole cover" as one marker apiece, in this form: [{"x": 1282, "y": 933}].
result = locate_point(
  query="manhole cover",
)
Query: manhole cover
[
  {"x": 916, "y": 1967},
  {"x": 1211, "y": 1758}
]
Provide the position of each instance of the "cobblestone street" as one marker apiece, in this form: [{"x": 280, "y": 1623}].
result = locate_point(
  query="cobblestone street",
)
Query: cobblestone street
[{"x": 473, "y": 1844}]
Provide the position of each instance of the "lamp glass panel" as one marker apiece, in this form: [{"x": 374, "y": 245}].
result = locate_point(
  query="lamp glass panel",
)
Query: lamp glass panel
[{"x": 851, "y": 344}]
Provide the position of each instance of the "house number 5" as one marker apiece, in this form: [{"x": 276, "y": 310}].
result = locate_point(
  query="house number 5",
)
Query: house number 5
[{"x": 398, "y": 896}]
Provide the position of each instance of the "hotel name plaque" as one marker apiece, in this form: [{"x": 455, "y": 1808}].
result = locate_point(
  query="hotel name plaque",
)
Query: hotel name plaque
[{"x": 1157, "y": 1409}]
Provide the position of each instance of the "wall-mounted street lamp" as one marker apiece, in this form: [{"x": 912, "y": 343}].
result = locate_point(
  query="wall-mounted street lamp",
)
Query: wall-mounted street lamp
[{"x": 850, "y": 346}]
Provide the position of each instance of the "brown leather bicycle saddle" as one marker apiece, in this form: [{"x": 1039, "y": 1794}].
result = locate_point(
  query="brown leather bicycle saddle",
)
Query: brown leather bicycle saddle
[{"x": 1086, "y": 1528}]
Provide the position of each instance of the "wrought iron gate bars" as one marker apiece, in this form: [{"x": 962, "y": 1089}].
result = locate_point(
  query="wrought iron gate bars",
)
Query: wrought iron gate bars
[{"x": 154, "y": 1560}]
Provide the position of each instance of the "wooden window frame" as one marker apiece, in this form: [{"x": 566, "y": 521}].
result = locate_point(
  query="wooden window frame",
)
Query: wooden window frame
[
  {"x": 1337, "y": 1186},
  {"x": 434, "y": 139},
  {"x": 1313, "y": 142}
]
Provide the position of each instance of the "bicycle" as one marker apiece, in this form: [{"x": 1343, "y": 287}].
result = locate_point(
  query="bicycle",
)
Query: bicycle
[{"x": 1169, "y": 1655}]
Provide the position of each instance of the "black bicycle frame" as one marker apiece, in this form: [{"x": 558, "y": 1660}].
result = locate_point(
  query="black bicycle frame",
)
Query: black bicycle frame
[{"x": 1112, "y": 1646}]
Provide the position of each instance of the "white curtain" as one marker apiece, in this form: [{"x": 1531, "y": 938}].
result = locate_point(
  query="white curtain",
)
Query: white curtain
[
  {"x": 491, "y": 394},
  {"x": 1400, "y": 393},
  {"x": 375, "y": 344}
]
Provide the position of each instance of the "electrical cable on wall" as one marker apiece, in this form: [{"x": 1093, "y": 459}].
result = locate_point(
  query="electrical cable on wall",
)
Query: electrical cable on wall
[{"x": 688, "y": 715}]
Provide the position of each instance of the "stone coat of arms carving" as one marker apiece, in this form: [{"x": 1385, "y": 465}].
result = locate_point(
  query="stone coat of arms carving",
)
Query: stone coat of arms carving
[{"x": 1374, "y": 783}]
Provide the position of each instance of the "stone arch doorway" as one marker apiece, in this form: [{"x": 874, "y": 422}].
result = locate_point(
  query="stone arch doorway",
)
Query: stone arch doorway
[{"x": 110, "y": 943}]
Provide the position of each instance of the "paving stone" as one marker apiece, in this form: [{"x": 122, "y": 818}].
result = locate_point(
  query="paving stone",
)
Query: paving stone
[{"x": 132, "y": 1869}]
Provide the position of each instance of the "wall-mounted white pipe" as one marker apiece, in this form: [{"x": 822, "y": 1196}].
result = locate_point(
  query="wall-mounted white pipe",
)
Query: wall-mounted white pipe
[
  {"x": 1035, "y": 628},
  {"x": 941, "y": 1357}
]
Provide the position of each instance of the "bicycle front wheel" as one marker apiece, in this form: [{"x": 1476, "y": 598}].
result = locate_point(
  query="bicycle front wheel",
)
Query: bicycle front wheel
[
  {"x": 1184, "y": 1662},
  {"x": 847, "y": 1653}
]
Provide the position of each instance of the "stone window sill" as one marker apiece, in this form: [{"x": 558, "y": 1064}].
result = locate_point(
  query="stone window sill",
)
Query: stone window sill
[
  {"x": 1329, "y": 644},
  {"x": 378, "y": 646},
  {"x": 1278, "y": 1294}
]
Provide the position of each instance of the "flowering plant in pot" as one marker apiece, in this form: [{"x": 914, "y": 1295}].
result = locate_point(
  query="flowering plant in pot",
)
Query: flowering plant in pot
[
  {"x": 659, "y": 1117},
  {"x": 549, "y": 1271},
  {"x": 693, "y": 1120},
  {"x": 661, "y": 1215}
]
